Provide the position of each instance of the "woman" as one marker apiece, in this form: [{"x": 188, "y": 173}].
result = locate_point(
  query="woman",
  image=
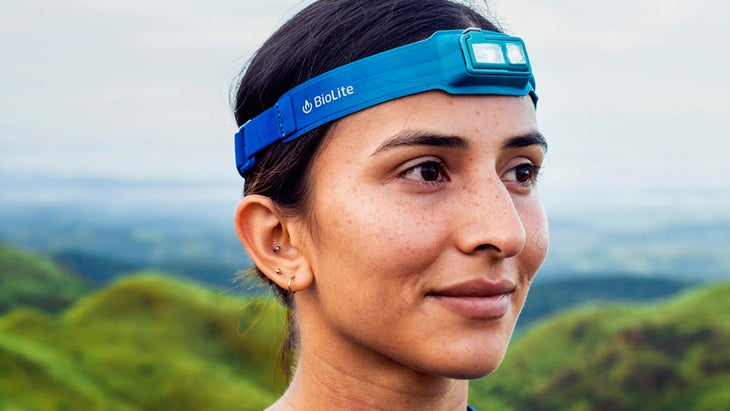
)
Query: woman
[{"x": 390, "y": 153}]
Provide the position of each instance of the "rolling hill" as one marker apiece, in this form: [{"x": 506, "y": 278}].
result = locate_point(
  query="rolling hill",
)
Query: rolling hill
[
  {"x": 153, "y": 342},
  {"x": 28, "y": 279},
  {"x": 145, "y": 343},
  {"x": 673, "y": 355}
]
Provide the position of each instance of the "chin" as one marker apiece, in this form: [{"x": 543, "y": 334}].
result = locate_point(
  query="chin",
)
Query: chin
[
  {"x": 473, "y": 357},
  {"x": 472, "y": 371},
  {"x": 465, "y": 365}
]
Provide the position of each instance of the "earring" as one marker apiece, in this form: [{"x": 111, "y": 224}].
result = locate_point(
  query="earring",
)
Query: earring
[
  {"x": 277, "y": 249},
  {"x": 278, "y": 270},
  {"x": 289, "y": 285}
]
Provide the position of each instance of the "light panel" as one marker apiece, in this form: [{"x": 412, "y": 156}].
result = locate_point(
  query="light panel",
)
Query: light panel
[{"x": 488, "y": 53}]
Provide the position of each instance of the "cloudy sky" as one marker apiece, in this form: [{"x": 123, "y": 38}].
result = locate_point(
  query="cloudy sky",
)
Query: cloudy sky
[{"x": 634, "y": 94}]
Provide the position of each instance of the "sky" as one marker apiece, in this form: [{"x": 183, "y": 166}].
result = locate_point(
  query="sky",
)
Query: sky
[{"x": 634, "y": 95}]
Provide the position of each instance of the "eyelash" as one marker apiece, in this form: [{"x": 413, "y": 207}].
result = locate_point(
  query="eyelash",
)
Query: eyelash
[
  {"x": 440, "y": 169},
  {"x": 533, "y": 170},
  {"x": 533, "y": 173}
]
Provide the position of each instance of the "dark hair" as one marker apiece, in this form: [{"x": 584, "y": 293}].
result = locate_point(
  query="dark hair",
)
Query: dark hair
[{"x": 325, "y": 35}]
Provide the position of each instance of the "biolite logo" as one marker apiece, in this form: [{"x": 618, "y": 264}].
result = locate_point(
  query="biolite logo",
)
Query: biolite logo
[{"x": 326, "y": 98}]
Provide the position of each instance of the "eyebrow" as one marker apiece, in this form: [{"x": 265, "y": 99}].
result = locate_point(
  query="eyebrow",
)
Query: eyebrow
[
  {"x": 528, "y": 139},
  {"x": 422, "y": 138},
  {"x": 427, "y": 138}
]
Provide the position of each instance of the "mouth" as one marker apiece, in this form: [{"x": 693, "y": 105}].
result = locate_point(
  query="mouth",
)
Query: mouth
[{"x": 476, "y": 299}]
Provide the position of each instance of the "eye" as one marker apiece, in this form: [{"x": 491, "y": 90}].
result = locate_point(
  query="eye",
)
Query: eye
[
  {"x": 525, "y": 174},
  {"x": 429, "y": 171}
]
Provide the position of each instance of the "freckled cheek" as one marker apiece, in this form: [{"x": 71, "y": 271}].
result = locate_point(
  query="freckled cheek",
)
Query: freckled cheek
[
  {"x": 396, "y": 238},
  {"x": 539, "y": 243},
  {"x": 536, "y": 237}
]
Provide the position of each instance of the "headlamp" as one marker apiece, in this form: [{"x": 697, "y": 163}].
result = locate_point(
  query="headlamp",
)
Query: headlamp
[{"x": 472, "y": 61}]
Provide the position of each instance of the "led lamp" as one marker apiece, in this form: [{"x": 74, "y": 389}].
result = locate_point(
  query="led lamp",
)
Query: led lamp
[
  {"x": 488, "y": 53},
  {"x": 516, "y": 53}
]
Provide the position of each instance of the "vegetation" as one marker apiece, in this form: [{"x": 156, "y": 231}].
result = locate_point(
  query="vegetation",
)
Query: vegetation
[
  {"x": 669, "y": 356},
  {"x": 101, "y": 247},
  {"x": 28, "y": 279},
  {"x": 549, "y": 297},
  {"x": 151, "y": 342},
  {"x": 146, "y": 342}
]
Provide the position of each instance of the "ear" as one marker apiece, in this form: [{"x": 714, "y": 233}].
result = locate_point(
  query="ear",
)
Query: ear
[{"x": 261, "y": 229}]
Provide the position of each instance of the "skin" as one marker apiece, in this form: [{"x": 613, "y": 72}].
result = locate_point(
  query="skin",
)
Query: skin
[{"x": 410, "y": 199}]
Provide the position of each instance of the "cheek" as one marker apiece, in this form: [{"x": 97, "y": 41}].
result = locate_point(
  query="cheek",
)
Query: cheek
[
  {"x": 537, "y": 237},
  {"x": 374, "y": 238},
  {"x": 381, "y": 238}
]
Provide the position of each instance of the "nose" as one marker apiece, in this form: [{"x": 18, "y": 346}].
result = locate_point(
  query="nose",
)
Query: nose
[{"x": 489, "y": 221}]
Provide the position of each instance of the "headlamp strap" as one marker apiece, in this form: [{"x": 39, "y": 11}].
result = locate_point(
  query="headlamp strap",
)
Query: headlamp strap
[{"x": 455, "y": 61}]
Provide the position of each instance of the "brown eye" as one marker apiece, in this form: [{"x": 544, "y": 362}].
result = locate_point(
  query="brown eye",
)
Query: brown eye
[
  {"x": 524, "y": 173},
  {"x": 429, "y": 171}
]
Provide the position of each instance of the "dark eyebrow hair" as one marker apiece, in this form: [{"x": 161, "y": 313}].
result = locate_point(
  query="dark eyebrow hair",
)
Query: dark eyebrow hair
[
  {"x": 422, "y": 138},
  {"x": 529, "y": 139},
  {"x": 427, "y": 138}
]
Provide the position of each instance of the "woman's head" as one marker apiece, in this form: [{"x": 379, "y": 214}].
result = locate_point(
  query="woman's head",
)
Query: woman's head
[
  {"x": 429, "y": 230},
  {"x": 326, "y": 35},
  {"x": 377, "y": 214}
]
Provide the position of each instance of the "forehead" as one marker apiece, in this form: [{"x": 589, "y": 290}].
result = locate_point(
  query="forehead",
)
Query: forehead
[{"x": 484, "y": 119}]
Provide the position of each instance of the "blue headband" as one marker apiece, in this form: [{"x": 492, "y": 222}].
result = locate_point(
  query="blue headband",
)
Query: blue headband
[{"x": 472, "y": 61}]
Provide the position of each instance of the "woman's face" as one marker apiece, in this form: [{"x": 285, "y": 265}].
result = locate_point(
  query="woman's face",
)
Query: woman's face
[{"x": 426, "y": 230}]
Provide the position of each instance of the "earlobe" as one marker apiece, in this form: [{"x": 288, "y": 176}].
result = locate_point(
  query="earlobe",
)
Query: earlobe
[{"x": 267, "y": 237}]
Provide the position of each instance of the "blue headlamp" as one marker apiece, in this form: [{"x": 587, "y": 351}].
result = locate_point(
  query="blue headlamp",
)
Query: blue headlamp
[{"x": 472, "y": 61}]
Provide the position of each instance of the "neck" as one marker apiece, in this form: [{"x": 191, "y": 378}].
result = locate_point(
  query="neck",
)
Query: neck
[
  {"x": 320, "y": 385},
  {"x": 332, "y": 374}
]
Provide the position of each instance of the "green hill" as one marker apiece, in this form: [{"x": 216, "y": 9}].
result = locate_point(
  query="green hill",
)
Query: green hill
[
  {"x": 32, "y": 280},
  {"x": 149, "y": 342},
  {"x": 145, "y": 343},
  {"x": 550, "y": 297},
  {"x": 673, "y": 355}
]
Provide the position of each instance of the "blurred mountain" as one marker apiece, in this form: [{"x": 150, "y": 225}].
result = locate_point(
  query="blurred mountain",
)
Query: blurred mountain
[
  {"x": 153, "y": 342},
  {"x": 101, "y": 247},
  {"x": 29, "y": 279},
  {"x": 548, "y": 297},
  {"x": 145, "y": 343},
  {"x": 101, "y": 244},
  {"x": 673, "y": 355}
]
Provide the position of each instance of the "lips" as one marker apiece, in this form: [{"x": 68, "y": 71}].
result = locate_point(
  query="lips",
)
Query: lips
[{"x": 476, "y": 299}]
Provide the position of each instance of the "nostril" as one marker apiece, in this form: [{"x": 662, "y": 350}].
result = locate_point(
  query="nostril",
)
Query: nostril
[{"x": 484, "y": 247}]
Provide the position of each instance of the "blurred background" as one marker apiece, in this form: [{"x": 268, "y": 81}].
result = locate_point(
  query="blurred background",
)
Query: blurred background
[{"x": 117, "y": 190}]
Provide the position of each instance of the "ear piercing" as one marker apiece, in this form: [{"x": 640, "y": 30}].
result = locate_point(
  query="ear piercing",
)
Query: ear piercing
[
  {"x": 288, "y": 285},
  {"x": 277, "y": 249}
]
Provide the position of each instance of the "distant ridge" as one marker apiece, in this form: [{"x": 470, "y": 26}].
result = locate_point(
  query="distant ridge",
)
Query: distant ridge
[
  {"x": 145, "y": 343},
  {"x": 28, "y": 279},
  {"x": 673, "y": 355},
  {"x": 547, "y": 298},
  {"x": 150, "y": 341}
]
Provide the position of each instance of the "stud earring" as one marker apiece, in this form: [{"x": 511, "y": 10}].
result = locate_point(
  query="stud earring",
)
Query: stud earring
[
  {"x": 277, "y": 249},
  {"x": 278, "y": 270},
  {"x": 289, "y": 285}
]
